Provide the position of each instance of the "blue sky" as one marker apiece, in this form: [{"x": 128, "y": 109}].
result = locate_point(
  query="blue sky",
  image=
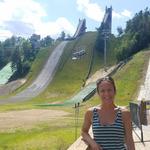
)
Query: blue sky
[{"x": 50, "y": 17}]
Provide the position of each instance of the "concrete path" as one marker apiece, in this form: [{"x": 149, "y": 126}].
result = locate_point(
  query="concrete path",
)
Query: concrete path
[
  {"x": 142, "y": 145},
  {"x": 42, "y": 81},
  {"x": 144, "y": 93}
]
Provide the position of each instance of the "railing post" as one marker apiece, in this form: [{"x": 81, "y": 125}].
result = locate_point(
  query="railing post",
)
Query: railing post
[
  {"x": 77, "y": 105},
  {"x": 143, "y": 114},
  {"x": 135, "y": 110}
]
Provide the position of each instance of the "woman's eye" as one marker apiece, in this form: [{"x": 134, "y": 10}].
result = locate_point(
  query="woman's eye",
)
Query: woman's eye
[
  {"x": 102, "y": 91},
  {"x": 109, "y": 90}
]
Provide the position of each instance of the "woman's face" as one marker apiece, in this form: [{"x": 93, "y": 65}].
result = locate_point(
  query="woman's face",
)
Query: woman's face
[{"x": 106, "y": 92}]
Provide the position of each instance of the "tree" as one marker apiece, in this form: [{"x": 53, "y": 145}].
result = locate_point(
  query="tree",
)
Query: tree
[
  {"x": 47, "y": 41},
  {"x": 8, "y": 48},
  {"x": 2, "y": 58},
  {"x": 62, "y": 36},
  {"x": 27, "y": 50},
  {"x": 120, "y": 31},
  {"x": 136, "y": 35},
  {"x": 35, "y": 43},
  {"x": 16, "y": 61},
  {"x": 68, "y": 36}
]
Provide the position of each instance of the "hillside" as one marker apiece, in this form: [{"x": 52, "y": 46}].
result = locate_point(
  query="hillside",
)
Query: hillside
[
  {"x": 67, "y": 81},
  {"x": 128, "y": 79},
  {"x": 71, "y": 74},
  {"x": 37, "y": 66},
  {"x": 43, "y": 134}
]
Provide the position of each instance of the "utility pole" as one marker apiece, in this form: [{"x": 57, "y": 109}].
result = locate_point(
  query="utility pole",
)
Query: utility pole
[
  {"x": 105, "y": 49},
  {"x": 106, "y": 31},
  {"x": 106, "y": 36}
]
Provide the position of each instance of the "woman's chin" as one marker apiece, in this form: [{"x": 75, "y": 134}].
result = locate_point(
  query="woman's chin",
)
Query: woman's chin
[{"x": 109, "y": 101}]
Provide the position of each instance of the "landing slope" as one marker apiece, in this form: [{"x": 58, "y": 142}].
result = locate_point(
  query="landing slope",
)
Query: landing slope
[{"x": 42, "y": 80}]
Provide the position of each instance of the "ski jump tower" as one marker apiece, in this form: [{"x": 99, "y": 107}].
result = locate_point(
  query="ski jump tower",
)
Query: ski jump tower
[
  {"x": 105, "y": 30},
  {"x": 106, "y": 24},
  {"x": 81, "y": 28}
]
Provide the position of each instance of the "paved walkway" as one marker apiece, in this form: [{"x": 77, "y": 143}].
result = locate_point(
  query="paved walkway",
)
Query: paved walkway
[
  {"x": 144, "y": 93},
  {"x": 142, "y": 145}
]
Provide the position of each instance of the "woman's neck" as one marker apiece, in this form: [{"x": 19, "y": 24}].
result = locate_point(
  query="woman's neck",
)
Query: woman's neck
[{"x": 111, "y": 106}]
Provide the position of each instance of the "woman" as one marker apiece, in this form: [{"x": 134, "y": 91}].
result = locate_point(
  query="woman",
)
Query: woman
[{"x": 111, "y": 125}]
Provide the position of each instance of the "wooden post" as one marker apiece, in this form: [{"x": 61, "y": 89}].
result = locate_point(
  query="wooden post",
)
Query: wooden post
[
  {"x": 76, "y": 119},
  {"x": 143, "y": 114}
]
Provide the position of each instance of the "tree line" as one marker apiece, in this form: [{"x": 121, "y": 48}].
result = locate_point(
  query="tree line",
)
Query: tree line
[
  {"x": 21, "y": 52},
  {"x": 135, "y": 36}
]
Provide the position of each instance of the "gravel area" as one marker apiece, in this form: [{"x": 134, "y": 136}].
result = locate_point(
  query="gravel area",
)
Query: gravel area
[{"x": 12, "y": 120}]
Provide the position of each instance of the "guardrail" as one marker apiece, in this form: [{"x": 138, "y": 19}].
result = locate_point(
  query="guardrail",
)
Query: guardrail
[
  {"x": 139, "y": 116},
  {"x": 147, "y": 102}
]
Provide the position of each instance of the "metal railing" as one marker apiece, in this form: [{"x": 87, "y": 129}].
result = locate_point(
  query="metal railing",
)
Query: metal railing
[{"x": 139, "y": 116}]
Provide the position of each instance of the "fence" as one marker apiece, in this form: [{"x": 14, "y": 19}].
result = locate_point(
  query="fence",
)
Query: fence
[{"x": 139, "y": 116}]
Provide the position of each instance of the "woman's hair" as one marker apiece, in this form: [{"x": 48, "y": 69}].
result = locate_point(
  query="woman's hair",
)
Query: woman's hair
[{"x": 107, "y": 78}]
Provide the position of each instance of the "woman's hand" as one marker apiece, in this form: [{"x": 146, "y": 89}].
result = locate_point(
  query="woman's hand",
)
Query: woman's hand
[
  {"x": 95, "y": 146},
  {"x": 85, "y": 129}
]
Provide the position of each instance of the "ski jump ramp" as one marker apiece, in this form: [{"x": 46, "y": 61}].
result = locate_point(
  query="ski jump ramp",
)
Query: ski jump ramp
[
  {"x": 47, "y": 73},
  {"x": 80, "y": 29},
  {"x": 43, "y": 79}
]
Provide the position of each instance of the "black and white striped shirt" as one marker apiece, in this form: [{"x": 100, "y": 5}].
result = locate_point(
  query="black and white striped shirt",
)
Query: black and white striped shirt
[{"x": 109, "y": 137}]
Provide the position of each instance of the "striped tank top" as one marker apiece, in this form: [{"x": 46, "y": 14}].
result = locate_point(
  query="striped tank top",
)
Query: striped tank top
[{"x": 109, "y": 137}]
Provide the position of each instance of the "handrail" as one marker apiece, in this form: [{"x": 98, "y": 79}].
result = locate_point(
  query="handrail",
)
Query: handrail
[{"x": 139, "y": 116}]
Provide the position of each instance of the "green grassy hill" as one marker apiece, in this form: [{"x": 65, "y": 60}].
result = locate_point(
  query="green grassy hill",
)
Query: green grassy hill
[
  {"x": 60, "y": 133},
  {"x": 71, "y": 74},
  {"x": 128, "y": 79},
  {"x": 37, "y": 66}
]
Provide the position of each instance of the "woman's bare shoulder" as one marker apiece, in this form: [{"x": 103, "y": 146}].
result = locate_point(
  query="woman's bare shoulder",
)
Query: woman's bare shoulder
[
  {"x": 125, "y": 112},
  {"x": 124, "y": 109},
  {"x": 91, "y": 109}
]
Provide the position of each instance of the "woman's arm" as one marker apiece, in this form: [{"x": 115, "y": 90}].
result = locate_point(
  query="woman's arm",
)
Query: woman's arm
[
  {"x": 85, "y": 129},
  {"x": 128, "y": 130}
]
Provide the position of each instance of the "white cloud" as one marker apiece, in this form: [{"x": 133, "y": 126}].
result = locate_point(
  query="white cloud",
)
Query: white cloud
[
  {"x": 127, "y": 13},
  {"x": 16, "y": 9},
  {"x": 23, "y": 18},
  {"x": 95, "y": 12},
  {"x": 29, "y": 14},
  {"x": 116, "y": 15},
  {"x": 17, "y": 27},
  {"x": 92, "y": 10},
  {"x": 54, "y": 28},
  {"x": 123, "y": 14}
]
